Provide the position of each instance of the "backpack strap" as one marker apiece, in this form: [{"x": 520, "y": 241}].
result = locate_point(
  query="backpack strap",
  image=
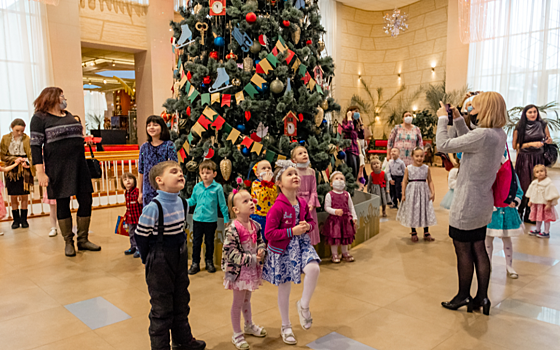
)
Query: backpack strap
[
  {"x": 186, "y": 211},
  {"x": 160, "y": 221}
]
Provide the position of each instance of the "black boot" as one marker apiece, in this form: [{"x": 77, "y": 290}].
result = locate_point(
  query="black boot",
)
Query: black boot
[
  {"x": 194, "y": 269},
  {"x": 210, "y": 266},
  {"x": 83, "y": 229},
  {"x": 23, "y": 218},
  {"x": 15, "y": 224},
  {"x": 192, "y": 345}
]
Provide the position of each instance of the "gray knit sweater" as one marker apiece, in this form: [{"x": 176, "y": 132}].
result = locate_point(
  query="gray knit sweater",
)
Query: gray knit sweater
[{"x": 482, "y": 149}]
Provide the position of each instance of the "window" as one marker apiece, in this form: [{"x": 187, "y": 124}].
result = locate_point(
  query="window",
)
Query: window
[
  {"x": 24, "y": 59},
  {"x": 521, "y": 60}
]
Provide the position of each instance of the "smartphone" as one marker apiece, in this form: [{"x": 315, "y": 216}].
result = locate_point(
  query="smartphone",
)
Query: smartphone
[{"x": 449, "y": 114}]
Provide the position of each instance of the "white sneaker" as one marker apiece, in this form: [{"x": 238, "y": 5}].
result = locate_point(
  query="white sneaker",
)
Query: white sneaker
[
  {"x": 53, "y": 232},
  {"x": 1, "y": 233}
]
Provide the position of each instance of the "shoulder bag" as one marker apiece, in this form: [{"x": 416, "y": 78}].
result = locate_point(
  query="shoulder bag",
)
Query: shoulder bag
[{"x": 94, "y": 166}]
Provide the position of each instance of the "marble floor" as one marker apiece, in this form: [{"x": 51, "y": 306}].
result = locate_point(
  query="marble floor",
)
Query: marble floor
[{"x": 389, "y": 298}]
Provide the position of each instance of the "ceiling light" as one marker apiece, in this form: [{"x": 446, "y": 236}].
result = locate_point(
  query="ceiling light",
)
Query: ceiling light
[
  {"x": 104, "y": 81},
  {"x": 113, "y": 63},
  {"x": 92, "y": 63}
]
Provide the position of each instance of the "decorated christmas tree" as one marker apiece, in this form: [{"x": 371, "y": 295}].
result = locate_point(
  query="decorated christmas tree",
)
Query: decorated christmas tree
[{"x": 250, "y": 84}]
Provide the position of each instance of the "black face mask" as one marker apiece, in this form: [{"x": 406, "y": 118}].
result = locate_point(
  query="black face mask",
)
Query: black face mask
[{"x": 474, "y": 119}]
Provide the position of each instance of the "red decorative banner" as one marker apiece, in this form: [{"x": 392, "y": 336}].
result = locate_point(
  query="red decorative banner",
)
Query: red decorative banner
[
  {"x": 247, "y": 142},
  {"x": 205, "y": 122},
  {"x": 226, "y": 100},
  {"x": 218, "y": 122}
]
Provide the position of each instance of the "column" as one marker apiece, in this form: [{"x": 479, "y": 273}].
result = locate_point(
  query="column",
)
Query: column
[{"x": 457, "y": 62}]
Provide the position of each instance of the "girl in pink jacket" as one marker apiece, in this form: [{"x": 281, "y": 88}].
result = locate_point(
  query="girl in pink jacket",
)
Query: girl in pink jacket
[{"x": 289, "y": 247}]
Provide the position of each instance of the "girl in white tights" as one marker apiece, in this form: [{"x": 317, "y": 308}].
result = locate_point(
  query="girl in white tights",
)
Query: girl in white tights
[{"x": 505, "y": 224}]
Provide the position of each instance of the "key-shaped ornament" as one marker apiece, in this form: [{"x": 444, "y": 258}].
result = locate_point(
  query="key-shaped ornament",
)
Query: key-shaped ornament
[
  {"x": 202, "y": 28},
  {"x": 242, "y": 39}
]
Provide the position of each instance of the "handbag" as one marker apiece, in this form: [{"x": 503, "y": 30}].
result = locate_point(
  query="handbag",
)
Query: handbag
[
  {"x": 505, "y": 185},
  {"x": 94, "y": 166},
  {"x": 550, "y": 154},
  {"x": 119, "y": 229}
]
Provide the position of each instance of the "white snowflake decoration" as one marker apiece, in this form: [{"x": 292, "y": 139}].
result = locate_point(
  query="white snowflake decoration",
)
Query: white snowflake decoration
[{"x": 395, "y": 23}]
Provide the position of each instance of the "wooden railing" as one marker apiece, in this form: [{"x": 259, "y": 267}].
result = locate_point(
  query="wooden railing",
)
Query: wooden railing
[{"x": 107, "y": 191}]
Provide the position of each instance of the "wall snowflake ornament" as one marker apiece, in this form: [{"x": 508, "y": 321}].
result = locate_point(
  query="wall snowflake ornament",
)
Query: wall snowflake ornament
[{"x": 395, "y": 22}]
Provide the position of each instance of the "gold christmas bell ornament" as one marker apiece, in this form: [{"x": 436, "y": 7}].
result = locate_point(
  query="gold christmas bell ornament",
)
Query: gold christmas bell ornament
[
  {"x": 319, "y": 116},
  {"x": 225, "y": 168}
]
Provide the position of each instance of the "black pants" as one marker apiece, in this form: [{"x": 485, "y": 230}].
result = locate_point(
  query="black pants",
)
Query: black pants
[
  {"x": 208, "y": 230},
  {"x": 524, "y": 210},
  {"x": 396, "y": 189},
  {"x": 168, "y": 282},
  {"x": 84, "y": 209},
  {"x": 353, "y": 161}
]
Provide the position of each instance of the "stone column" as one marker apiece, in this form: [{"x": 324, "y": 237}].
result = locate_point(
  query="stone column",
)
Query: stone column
[
  {"x": 66, "y": 53},
  {"x": 154, "y": 67},
  {"x": 457, "y": 63}
]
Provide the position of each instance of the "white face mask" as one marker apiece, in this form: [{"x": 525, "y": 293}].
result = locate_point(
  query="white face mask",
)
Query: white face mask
[
  {"x": 408, "y": 120},
  {"x": 339, "y": 185},
  {"x": 303, "y": 165},
  {"x": 261, "y": 175}
]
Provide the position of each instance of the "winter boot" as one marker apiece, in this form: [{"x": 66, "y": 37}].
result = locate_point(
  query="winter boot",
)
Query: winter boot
[
  {"x": 23, "y": 218},
  {"x": 83, "y": 228},
  {"x": 15, "y": 214},
  {"x": 66, "y": 232}
]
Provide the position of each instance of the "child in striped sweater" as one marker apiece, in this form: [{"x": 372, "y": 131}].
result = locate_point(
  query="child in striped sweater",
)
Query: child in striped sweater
[{"x": 161, "y": 240}]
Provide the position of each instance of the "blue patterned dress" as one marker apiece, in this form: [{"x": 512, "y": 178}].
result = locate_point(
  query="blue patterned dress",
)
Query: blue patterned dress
[
  {"x": 288, "y": 266},
  {"x": 150, "y": 156}
]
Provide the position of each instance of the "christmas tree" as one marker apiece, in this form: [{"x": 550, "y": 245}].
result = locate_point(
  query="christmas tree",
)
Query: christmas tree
[{"x": 251, "y": 84}]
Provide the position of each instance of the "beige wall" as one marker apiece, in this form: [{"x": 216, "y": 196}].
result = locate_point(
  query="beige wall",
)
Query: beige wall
[
  {"x": 117, "y": 26},
  {"x": 66, "y": 55},
  {"x": 364, "y": 49}
]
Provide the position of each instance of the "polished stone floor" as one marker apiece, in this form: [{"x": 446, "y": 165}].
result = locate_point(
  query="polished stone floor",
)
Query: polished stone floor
[{"x": 388, "y": 299}]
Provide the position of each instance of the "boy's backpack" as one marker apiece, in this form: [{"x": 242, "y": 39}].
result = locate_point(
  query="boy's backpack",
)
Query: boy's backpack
[
  {"x": 160, "y": 215},
  {"x": 505, "y": 185}
]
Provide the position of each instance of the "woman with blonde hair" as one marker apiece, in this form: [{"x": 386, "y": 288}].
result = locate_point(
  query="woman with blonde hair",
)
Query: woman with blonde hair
[{"x": 471, "y": 210}]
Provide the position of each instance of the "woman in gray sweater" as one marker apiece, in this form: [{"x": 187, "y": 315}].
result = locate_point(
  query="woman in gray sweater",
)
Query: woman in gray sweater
[{"x": 473, "y": 202}]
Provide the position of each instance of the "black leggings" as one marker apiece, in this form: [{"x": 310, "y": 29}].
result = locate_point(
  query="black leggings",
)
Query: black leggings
[
  {"x": 63, "y": 206},
  {"x": 353, "y": 161},
  {"x": 426, "y": 229},
  {"x": 471, "y": 256}
]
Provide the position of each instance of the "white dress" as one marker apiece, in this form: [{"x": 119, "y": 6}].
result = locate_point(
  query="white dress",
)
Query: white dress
[{"x": 417, "y": 210}]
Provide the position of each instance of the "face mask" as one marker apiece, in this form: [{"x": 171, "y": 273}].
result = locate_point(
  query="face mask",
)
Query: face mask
[
  {"x": 408, "y": 120},
  {"x": 261, "y": 175},
  {"x": 303, "y": 165},
  {"x": 469, "y": 109},
  {"x": 356, "y": 115},
  {"x": 339, "y": 185},
  {"x": 63, "y": 105}
]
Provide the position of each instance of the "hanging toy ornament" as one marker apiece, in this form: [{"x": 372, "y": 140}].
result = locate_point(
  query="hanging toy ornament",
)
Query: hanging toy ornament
[
  {"x": 245, "y": 151},
  {"x": 241, "y": 128},
  {"x": 309, "y": 42},
  {"x": 296, "y": 34},
  {"x": 286, "y": 23},
  {"x": 320, "y": 46},
  {"x": 214, "y": 55},
  {"x": 325, "y": 105},
  {"x": 207, "y": 80},
  {"x": 277, "y": 86},
  {"x": 189, "y": 111},
  {"x": 248, "y": 64},
  {"x": 192, "y": 166},
  {"x": 256, "y": 47},
  {"x": 231, "y": 56},
  {"x": 332, "y": 149},
  {"x": 220, "y": 41},
  {"x": 251, "y": 17},
  {"x": 225, "y": 168},
  {"x": 272, "y": 2},
  {"x": 319, "y": 116},
  {"x": 341, "y": 155}
]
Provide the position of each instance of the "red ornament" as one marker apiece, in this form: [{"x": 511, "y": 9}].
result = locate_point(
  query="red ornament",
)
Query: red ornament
[
  {"x": 247, "y": 183},
  {"x": 309, "y": 42},
  {"x": 231, "y": 56},
  {"x": 251, "y": 17},
  {"x": 207, "y": 80},
  {"x": 247, "y": 115},
  {"x": 286, "y": 23},
  {"x": 189, "y": 111},
  {"x": 300, "y": 117},
  {"x": 189, "y": 76},
  {"x": 214, "y": 55}
]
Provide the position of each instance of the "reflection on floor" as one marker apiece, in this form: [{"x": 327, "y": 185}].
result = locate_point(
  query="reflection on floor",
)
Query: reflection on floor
[
  {"x": 97, "y": 312},
  {"x": 389, "y": 298}
]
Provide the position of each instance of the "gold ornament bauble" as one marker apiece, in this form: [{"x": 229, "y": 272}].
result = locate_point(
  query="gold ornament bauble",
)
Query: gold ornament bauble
[
  {"x": 248, "y": 64},
  {"x": 325, "y": 105},
  {"x": 256, "y": 47},
  {"x": 319, "y": 117},
  {"x": 225, "y": 168},
  {"x": 192, "y": 166},
  {"x": 320, "y": 46},
  {"x": 277, "y": 86},
  {"x": 235, "y": 82},
  {"x": 332, "y": 149},
  {"x": 296, "y": 34}
]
